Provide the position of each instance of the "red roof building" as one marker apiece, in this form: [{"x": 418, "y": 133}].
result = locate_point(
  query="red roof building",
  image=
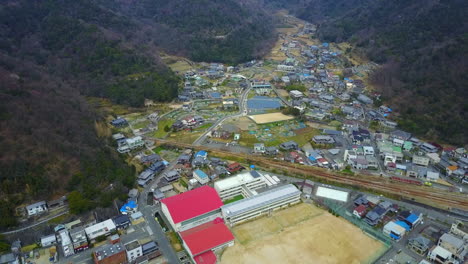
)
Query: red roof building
[
  {"x": 206, "y": 237},
  {"x": 179, "y": 209},
  {"x": 208, "y": 257},
  {"x": 234, "y": 167},
  {"x": 360, "y": 211}
]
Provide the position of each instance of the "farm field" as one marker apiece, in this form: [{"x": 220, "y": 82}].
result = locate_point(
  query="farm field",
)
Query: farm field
[
  {"x": 269, "y": 118},
  {"x": 274, "y": 133},
  {"x": 301, "y": 234}
]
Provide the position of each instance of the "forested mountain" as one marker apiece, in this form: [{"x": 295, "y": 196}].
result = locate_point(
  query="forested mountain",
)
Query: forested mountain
[
  {"x": 422, "y": 46},
  {"x": 54, "y": 52}
]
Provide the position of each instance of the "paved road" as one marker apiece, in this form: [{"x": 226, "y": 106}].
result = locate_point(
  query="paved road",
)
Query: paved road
[
  {"x": 153, "y": 227},
  {"x": 242, "y": 112},
  {"x": 35, "y": 224}
]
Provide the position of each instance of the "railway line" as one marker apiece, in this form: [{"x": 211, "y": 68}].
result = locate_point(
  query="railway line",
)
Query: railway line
[{"x": 431, "y": 196}]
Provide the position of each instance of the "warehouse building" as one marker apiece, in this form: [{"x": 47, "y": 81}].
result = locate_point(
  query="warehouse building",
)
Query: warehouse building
[
  {"x": 263, "y": 203},
  {"x": 192, "y": 208},
  {"x": 241, "y": 184}
]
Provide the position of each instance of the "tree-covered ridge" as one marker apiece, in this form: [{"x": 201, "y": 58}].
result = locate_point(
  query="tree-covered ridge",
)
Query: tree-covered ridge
[
  {"x": 228, "y": 31},
  {"x": 422, "y": 46}
]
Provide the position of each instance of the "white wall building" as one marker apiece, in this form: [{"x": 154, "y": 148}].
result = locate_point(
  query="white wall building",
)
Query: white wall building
[
  {"x": 233, "y": 186},
  {"x": 134, "y": 250},
  {"x": 36, "y": 208},
  {"x": 66, "y": 243},
  {"x": 201, "y": 177},
  {"x": 261, "y": 204},
  {"x": 100, "y": 229}
]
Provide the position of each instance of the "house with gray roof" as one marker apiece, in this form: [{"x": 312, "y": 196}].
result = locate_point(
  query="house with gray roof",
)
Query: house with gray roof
[{"x": 420, "y": 245}]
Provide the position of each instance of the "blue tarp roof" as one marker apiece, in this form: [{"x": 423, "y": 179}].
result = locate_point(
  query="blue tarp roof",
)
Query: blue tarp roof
[
  {"x": 325, "y": 44},
  {"x": 394, "y": 236},
  {"x": 412, "y": 218},
  {"x": 201, "y": 153},
  {"x": 312, "y": 158},
  {"x": 130, "y": 204},
  {"x": 403, "y": 224}
]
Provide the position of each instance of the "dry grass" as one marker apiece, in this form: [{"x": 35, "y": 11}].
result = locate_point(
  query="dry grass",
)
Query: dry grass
[
  {"x": 270, "y": 118},
  {"x": 301, "y": 234}
]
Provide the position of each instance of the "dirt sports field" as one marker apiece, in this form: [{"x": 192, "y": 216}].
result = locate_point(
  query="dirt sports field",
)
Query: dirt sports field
[
  {"x": 269, "y": 118},
  {"x": 301, "y": 234}
]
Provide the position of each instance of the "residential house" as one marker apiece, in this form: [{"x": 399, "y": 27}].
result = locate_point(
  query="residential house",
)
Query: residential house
[
  {"x": 110, "y": 254},
  {"x": 375, "y": 216},
  {"x": 360, "y": 211},
  {"x": 234, "y": 167},
  {"x": 429, "y": 148},
  {"x": 201, "y": 177},
  {"x": 394, "y": 230},
  {"x": 157, "y": 167},
  {"x": 259, "y": 148},
  {"x": 148, "y": 159},
  {"x": 145, "y": 177},
  {"x": 420, "y": 160},
  {"x": 36, "y": 208},
  {"x": 79, "y": 239},
  {"x": 455, "y": 245},
  {"x": 171, "y": 176},
  {"x": 184, "y": 159},
  {"x": 419, "y": 244},
  {"x": 121, "y": 222},
  {"x": 295, "y": 94},
  {"x": 460, "y": 229},
  {"x": 133, "y": 250},
  {"x": 49, "y": 240},
  {"x": 271, "y": 151},
  {"x": 322, "y": 139},
  {"x": 119, "y": 122},
  {"x": 440, "y": 255},
  {"x": 400, "y": 135},
  {"x": 290, "y": 145},
  {"x": 368, "y": 150}
]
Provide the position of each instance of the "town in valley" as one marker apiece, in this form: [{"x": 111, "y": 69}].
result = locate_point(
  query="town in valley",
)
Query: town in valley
[{"x": 260, "y": 163}]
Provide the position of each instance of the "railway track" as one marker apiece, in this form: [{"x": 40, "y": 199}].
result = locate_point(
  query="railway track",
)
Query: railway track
[{"x": 428, "y": 195}]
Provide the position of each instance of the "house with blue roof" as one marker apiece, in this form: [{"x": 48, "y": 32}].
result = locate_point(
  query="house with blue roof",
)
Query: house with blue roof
[
  {"x": 403, "y": 224},
  {"x": 201, "y": 176},
  {"x": 201, "y": 153},
  {"x": 413, "y": 219},
  {"x": 129, "y": 208}
]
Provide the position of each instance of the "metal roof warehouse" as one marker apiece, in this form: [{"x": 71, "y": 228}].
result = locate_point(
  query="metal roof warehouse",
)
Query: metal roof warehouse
[
  {"x": 263, "y": 102},
  {"x": 258, "y": 201}
]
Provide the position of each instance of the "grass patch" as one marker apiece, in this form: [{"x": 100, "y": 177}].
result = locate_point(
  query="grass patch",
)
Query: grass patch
[
  {"x": 59, "y": 219},
  {"x": 183, "y": 182},
  {"x": 247, "y": 140},
  {"x": 185, "y": 136},
  {"x": 175, "y": 243},
  {"x": 141, "y": 124},
  {"x": 204, "y": 126},
  {"x": 29, "y": 248},
  {"x": 160, "y": 133},
  {"x": 158, "y": 149},
  {"x": 234, "y": 199}
]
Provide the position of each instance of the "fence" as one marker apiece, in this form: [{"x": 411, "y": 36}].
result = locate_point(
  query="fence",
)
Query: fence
[{"x": 339, "y": 209}]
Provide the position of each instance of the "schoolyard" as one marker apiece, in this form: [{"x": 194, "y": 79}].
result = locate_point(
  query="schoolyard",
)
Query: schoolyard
[{"x": 301, "y": 234}]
